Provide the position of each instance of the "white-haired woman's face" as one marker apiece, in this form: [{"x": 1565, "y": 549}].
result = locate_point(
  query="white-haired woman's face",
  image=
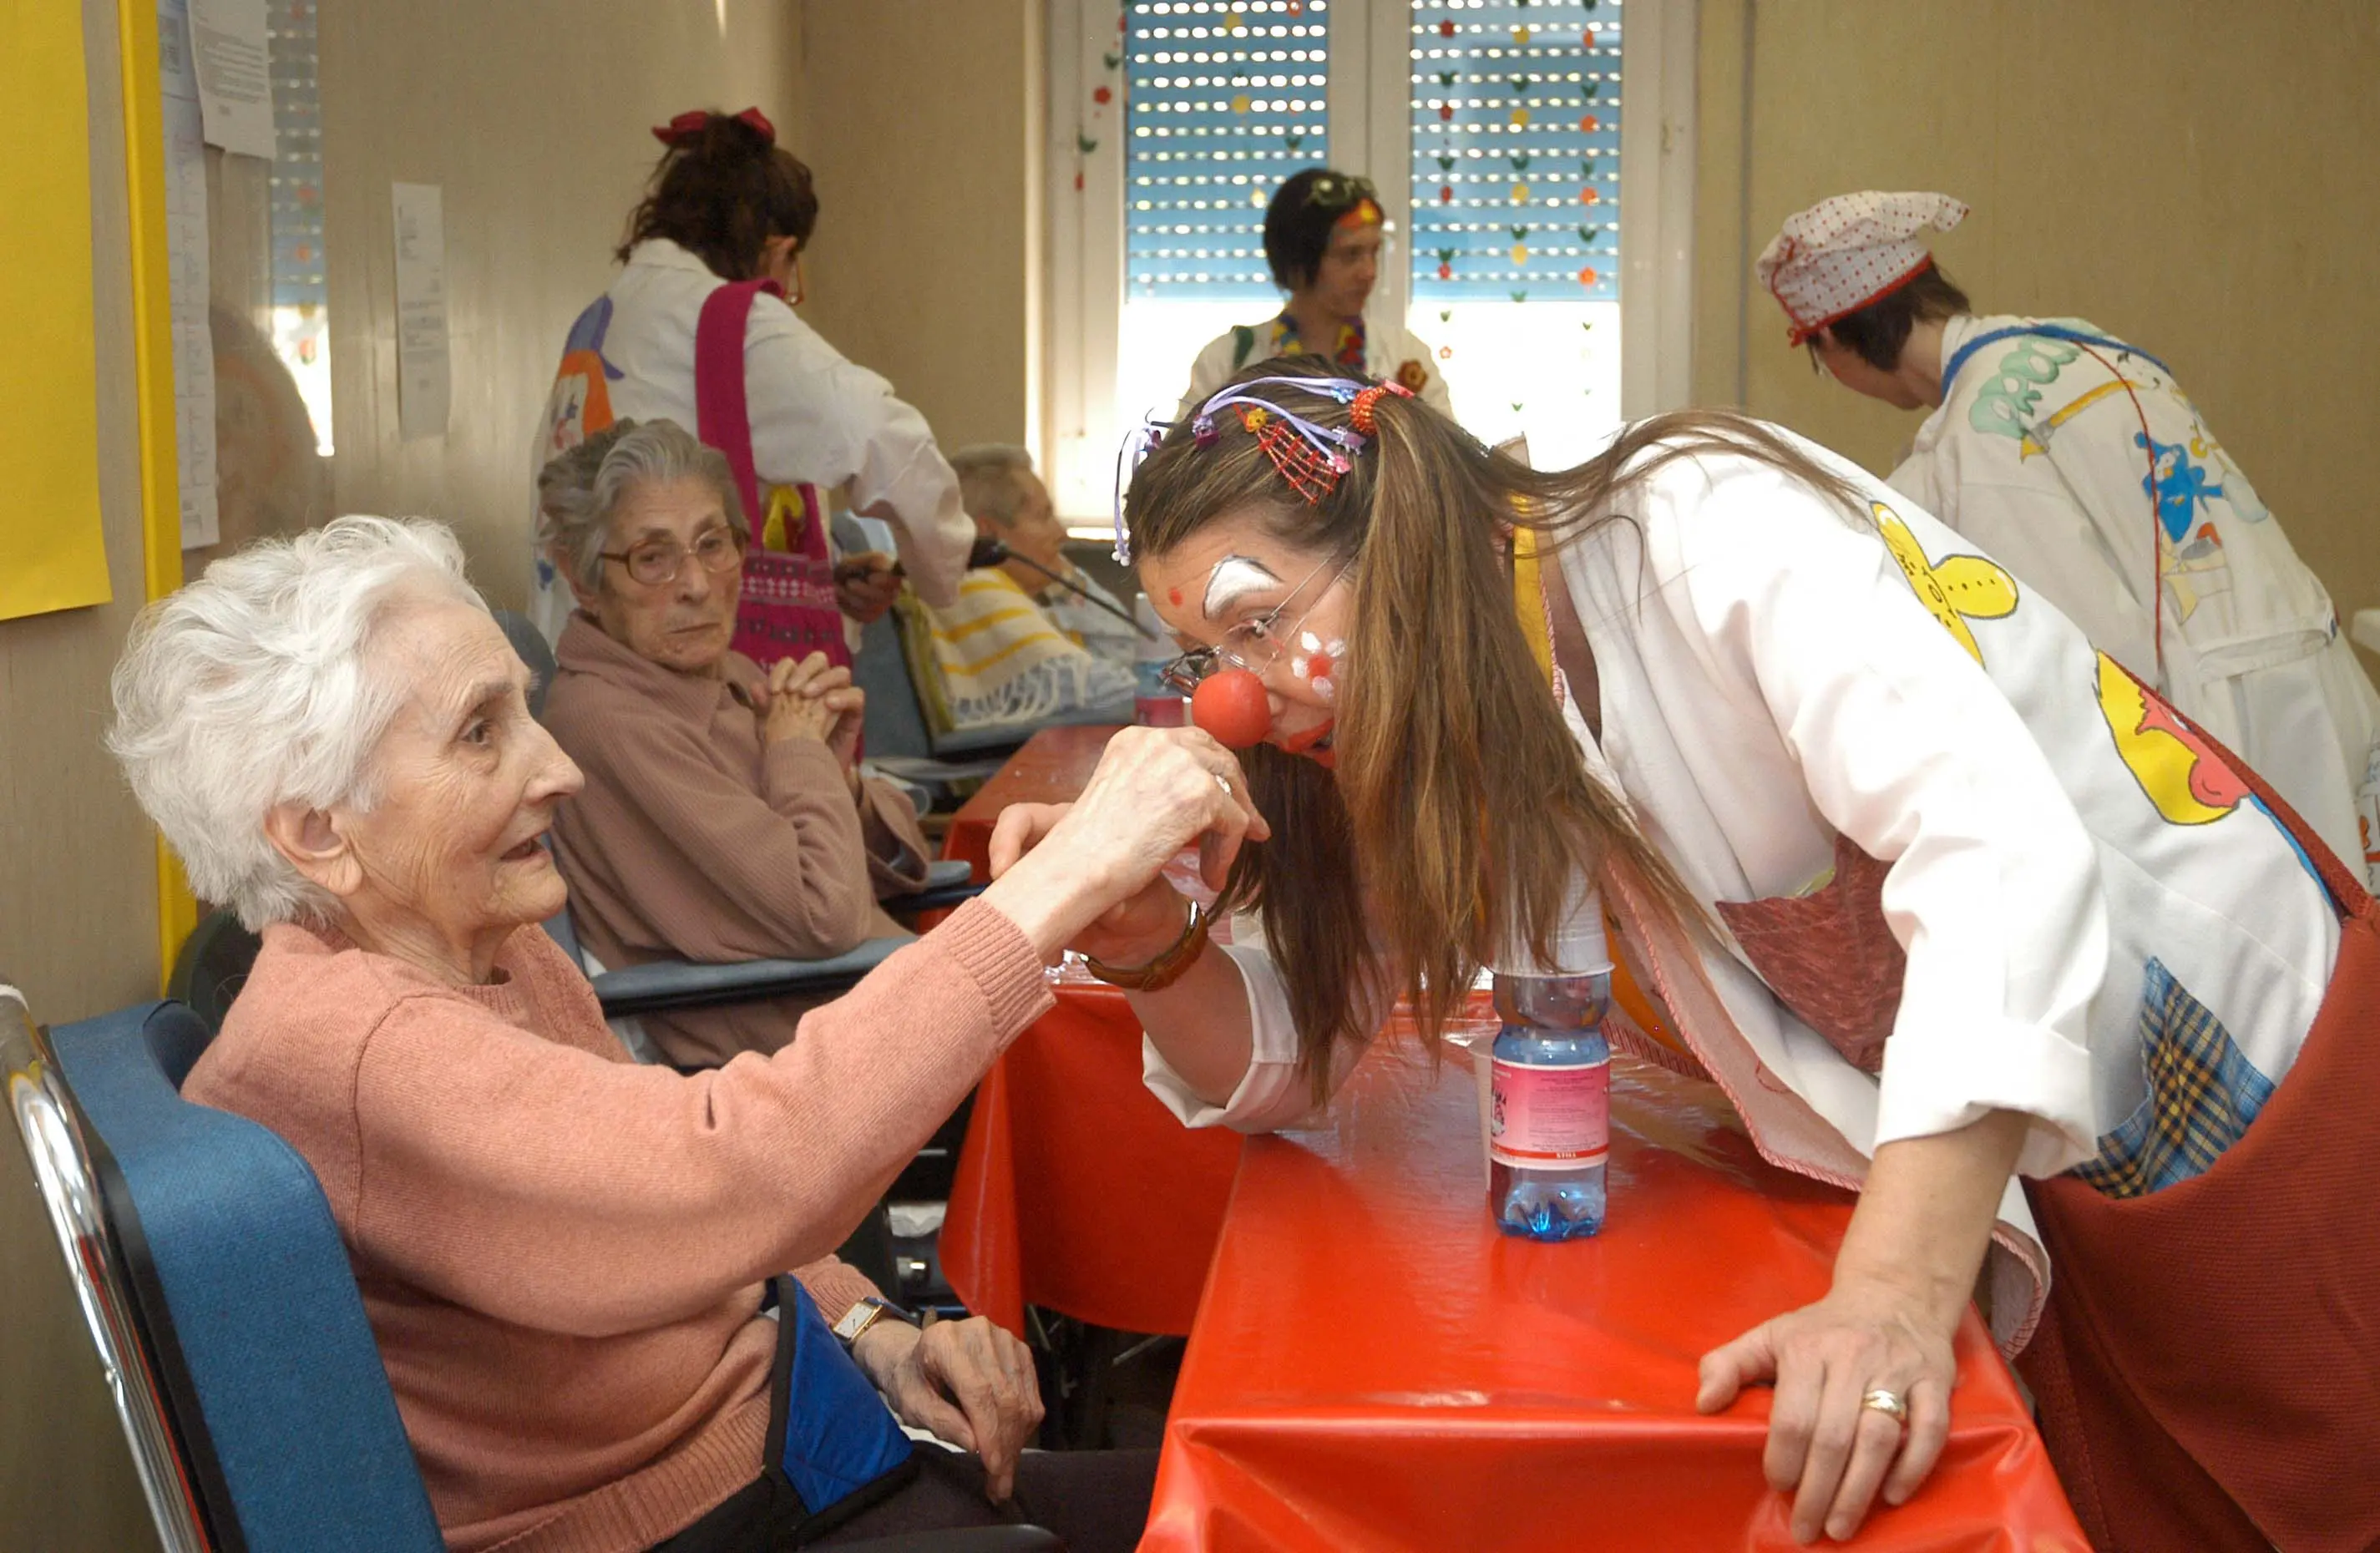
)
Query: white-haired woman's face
[
  {"x": 686, "y": 621},
  {"x": 448, "y": 861}
]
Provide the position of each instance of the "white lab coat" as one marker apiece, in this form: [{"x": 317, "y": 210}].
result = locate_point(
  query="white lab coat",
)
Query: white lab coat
[
  {"x": 816, "y": 418},
  {"x": 2039, "y": 455},
  {"x": 1391, "y": 354},
  {"x": 1769, "y": 678}
]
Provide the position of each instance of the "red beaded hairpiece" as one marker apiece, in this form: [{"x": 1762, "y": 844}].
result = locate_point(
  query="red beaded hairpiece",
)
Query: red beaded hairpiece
[{"x": 1359, "y": 413}]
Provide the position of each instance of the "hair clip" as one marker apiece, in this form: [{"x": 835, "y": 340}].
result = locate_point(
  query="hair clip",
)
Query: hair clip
[
  {"x": 1138, "y": 443},
  {"x": 1203, "y": 433},
  {"x": 687, "y": 125}
]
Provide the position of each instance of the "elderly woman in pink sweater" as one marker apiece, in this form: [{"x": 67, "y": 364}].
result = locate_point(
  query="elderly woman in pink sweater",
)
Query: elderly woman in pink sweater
[
  {"x": 563, "y": 1252},
  {"x": 724, "y": 815}
]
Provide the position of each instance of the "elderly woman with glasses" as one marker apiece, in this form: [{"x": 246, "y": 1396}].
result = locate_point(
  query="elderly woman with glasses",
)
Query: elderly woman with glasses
[
  {"x": 561, "y": 1252},
  {"x": 1325, "y": 238},
  {"x": 726, "y": 817}
]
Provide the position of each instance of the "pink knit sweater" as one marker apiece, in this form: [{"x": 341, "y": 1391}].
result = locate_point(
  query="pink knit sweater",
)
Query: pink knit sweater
[
  {"x": 693, "y": 840},
  {"x": 561, "y": 1251}
]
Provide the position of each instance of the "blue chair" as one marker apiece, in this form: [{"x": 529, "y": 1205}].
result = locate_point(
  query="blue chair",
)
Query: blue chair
[{"x": 219, "y": 1295}]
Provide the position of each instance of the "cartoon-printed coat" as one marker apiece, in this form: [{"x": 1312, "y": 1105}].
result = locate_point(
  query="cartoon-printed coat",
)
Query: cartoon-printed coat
[
  {"x": 816, "y": 419},
  {"x": 2082, "y": 892},
  {"x": 2090, "y": 475}
]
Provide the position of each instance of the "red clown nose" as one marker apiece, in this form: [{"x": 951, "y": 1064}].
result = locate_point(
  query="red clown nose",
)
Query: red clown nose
[{"x": 1233, "y": 707}]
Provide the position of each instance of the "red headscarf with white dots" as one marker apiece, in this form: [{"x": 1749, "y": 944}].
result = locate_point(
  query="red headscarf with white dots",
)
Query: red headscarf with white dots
[{"x": 1843, "y": 253}]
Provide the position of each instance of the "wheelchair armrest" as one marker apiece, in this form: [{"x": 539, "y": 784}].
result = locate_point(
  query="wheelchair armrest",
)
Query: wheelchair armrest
[
  {"x": 978, "y": 1539},
  {"x": 948, "y": 883},
  {"x": 658, "y": 986}
]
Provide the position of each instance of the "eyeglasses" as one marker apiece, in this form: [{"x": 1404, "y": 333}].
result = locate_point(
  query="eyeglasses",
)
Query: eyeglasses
[
  {"x": 659, "y": 563},
  {"x": 1253, "y": 645},
  {"x": 1335, "y": 191}
]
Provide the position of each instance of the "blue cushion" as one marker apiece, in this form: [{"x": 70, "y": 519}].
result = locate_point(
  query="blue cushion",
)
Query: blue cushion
[{"x": 226, "y": 1223}]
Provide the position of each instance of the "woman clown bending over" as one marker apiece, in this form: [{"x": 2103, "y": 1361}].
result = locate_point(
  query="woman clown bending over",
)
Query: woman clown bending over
[{"x": 1954, "y": 911}]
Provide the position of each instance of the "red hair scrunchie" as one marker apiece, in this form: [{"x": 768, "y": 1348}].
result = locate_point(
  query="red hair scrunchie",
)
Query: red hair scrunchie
[{"x": 686, "y": 126}]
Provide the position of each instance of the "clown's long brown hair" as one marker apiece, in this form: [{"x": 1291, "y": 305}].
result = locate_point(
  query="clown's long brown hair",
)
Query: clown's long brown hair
[{"x": 1461, "y": 805}]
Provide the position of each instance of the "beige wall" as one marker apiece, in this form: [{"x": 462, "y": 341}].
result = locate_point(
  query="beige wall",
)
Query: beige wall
[
  {"x": 532, "y": 117},
  {"x": 2196, "y": 177},
  {"x": 78, "y": 913},
  {"x": 925, "y": 135}
]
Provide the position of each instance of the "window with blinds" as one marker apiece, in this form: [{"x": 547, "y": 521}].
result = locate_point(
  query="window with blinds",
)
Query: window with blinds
[
  {"x": 1224, "y": 100},
  {"x": 1515, "y": 151}
]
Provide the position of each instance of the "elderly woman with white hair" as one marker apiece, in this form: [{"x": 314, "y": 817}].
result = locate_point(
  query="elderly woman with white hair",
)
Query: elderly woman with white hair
[
  {"x": 725, "y": 816},
  {"x": 563, "y": 1252}
]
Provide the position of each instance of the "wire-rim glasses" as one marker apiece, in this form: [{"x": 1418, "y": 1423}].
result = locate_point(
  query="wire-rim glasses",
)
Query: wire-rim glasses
[
  {"x": 1183, "y": 674},
  {"x": 660, "y": 562}
]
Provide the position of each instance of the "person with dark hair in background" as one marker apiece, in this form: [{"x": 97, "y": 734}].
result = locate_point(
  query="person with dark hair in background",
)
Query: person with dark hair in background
[
  {"x": 2078, "y": 462},
  {"x": 1324, "y": 235},
  {"x": 729, "y": 208}
]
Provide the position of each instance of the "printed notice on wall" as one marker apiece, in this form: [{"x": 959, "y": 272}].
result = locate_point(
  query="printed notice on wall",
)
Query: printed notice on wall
[
  {"x": 423, "y": 374},
  {"x": 228, "y": 49},
  {"x": 186, "y": 276}
]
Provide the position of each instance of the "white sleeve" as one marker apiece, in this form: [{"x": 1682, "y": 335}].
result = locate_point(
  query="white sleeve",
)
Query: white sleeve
[
  {"x": 818, "y": 417},
  {"x": 1275, "y": 1090},
  {"x": 1908, "y": 748}
]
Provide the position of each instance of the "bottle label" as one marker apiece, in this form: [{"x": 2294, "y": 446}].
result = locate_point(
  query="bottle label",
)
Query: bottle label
[{"x": 1555, "y": 1117}]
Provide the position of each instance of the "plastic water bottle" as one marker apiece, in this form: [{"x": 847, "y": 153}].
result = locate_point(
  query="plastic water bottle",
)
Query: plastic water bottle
[
  {"x": 1549, "y": 1108},
  {"x": 1153, "y": 704}
]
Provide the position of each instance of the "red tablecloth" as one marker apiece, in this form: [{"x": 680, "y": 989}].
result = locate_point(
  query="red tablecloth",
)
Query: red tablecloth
[
  {"x": 1075, "y": 1189},
  {"x": 1376, "y": 1368}
]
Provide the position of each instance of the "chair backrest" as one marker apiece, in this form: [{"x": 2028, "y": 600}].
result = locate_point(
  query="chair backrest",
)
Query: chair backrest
[
  {"x": 895, "y": 724},
  {"x": 250, "y": 1328},
  {"x": 534, "y": 652},
  {"x": 209, "y": 972}
]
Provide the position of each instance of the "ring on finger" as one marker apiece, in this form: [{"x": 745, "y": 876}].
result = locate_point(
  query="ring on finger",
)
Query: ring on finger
[
  {"x": 1222, "y": 782},
  {"x": 1887, "y": 1402}
]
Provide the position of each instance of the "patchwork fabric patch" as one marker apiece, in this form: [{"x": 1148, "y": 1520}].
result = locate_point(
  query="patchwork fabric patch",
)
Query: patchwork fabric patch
[{"x": 2202, "y": 1094}]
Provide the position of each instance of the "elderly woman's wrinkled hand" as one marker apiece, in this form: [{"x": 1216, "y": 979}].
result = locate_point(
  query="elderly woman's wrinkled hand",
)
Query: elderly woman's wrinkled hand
[
  {"x": 969, "y": 1382},
  {"x": 793, "y": 709},
  {"x": 1156, "y": 791}
]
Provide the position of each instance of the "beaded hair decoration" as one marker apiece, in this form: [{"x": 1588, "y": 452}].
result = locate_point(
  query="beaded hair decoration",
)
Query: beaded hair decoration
[{"x": 1310, "y": 456}]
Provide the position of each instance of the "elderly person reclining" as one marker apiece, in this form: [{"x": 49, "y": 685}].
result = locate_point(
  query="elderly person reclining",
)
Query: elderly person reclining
[
  {"x": 1016, "y": 645},
  {"x": 561, "y": 1252},
  {"x": 725, "y": 816},
  {"x": 1009, "y": 503}
]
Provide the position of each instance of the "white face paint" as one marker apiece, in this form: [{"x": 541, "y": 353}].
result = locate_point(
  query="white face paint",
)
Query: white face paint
[
  {"x": 1317, "y": 663},
  {"x": 1233, "y": 579}
]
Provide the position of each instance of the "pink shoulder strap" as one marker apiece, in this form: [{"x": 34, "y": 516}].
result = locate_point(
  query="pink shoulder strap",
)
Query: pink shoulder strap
[{"x": 720, "y": 411}]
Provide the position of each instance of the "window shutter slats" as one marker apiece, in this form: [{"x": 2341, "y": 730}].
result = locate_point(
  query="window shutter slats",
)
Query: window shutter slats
[
  {"x": 1223, "y": 101},
  {"x": 1516, "y": 150}
]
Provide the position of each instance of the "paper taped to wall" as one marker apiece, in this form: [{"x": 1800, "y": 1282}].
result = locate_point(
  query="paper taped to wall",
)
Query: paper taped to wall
[
  {"x": 189, "y": 279},
  {"x": 229, "y": 50},
  {"x": 423, "y": 374}
]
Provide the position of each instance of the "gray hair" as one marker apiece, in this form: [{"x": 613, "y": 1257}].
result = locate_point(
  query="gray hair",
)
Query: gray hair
[
  {"x": 988, "y": 474},
  {"x": 253, "y": 687},
  {"x": 579, "y": 492}
]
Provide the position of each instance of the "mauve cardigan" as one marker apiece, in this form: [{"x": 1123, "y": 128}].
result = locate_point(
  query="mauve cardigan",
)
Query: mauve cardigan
[
  {"x": 693, "y": 841},
  {"x": 560, "y": 1250}
]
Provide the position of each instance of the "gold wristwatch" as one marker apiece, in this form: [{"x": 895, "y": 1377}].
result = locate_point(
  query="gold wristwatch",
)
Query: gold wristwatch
[{"x": 864, "y": 1313}]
